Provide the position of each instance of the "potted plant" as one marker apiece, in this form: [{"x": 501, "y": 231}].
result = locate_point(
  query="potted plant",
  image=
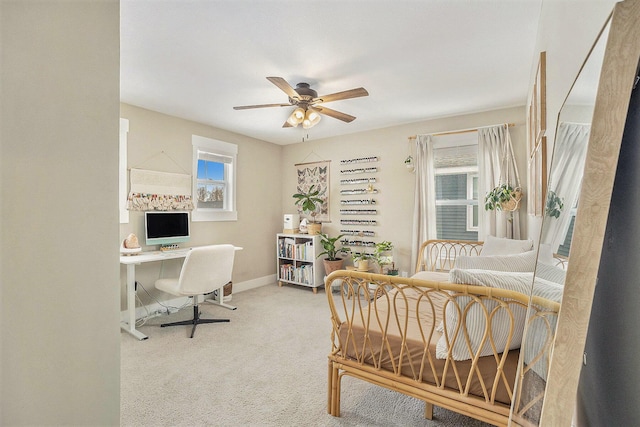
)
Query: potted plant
[
  {"x": 361, "y": 260},
  {"x": 383, "y": 255},
  {"x": 310, "y": 203},
  {"x": 503, "y": 198},
  {"x": 332, "y": 262},
  {"x": 554, "y": 205}
]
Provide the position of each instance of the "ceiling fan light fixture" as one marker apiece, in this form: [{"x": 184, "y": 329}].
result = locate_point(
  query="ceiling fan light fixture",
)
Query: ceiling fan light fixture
[
  {"x": 311, "y": 118},
  {"x": 296, "y": 117},
  {"x": 303, "y": 98}
]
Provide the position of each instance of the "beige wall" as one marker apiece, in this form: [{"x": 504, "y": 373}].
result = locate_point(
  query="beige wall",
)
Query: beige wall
[
  {"x": 395, "y": 182},
  {"x": 59, "y": 188},
  {"x": 567, "y": 31},
  {"x": 160, "y": 142},
  {"x": 567, "y": 41}
]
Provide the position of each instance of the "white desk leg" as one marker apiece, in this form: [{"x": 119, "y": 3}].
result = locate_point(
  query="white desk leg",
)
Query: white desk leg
[
  {"x": 130, "y": 324},
  {"x": 220, "y": 301}
]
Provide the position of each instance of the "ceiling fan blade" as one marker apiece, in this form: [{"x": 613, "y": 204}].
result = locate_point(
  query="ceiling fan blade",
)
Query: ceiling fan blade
[
  {"x": 284, "y": 86},
  {"x": 246, "y": 107},
  {"x": 347, "y": 94},
  {"x": 335, "y": 114}
]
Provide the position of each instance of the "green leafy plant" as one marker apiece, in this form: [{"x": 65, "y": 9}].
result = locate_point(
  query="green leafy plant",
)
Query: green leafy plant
[
  {"x": 379, "y": 256},
  {"x": 329, "y": 246},
  {"x": 384, "y": 246},
  {"x": 362, "y": 256},
  {"x": 361, "y": 260},
  {"x": 554, "y": 206},
  {"x": 501, "y": 195},
  {"x": 309, "y": 202}
]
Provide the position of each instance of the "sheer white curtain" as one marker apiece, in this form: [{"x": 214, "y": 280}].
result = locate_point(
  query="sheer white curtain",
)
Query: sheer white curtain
[
  {"x": 496, "y": 165},
  {"x": 424, "y": 211},
  {"x": 569, "y": 155}
]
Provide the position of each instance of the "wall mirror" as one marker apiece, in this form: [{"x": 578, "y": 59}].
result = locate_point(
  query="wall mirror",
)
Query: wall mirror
[
  {"x": 568, "y": 156},
  {"x": 566, "y": 170},
  {"x": 580, "y": 183}
]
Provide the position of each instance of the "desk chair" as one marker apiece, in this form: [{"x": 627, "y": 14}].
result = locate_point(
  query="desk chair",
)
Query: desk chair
[{"x": 204, "y": 270}]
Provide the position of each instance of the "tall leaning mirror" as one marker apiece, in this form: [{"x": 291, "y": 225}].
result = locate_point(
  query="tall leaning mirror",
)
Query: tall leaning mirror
[
  {"x": 564, "y": 182},
  {"x": 580, "y": 183}
]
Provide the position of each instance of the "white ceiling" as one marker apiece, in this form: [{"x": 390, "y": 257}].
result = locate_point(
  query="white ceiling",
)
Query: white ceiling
[{"x": 418, "y": 59}]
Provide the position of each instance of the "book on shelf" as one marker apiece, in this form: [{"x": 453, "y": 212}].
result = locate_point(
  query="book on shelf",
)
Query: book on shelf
[
  {"x": 286, "y": 248},
  {"x": 304, "y": 251},
  {"x": 302, "y": 274}
]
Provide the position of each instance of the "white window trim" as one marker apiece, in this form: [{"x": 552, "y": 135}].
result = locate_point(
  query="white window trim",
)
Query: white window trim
[
  {"x": 122, "y": 188},
  {"x": 214, "y": 146},
  {"x": 470, "y": 226},
  {"x": 460, "y": 140},
  {"x": 458, "y": 170},
  {"x": 470, "y": 171}
]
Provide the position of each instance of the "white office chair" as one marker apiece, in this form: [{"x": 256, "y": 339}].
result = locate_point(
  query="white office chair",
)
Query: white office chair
[{"x": 204, "y": 270}]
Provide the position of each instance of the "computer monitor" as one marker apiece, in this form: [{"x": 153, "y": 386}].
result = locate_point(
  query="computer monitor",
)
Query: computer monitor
[{"x": 166, "y": 228}]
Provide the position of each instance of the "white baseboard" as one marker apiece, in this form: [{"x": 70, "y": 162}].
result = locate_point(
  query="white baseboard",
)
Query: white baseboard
[
  {"x": 254, "y": 283},
  {"x": 155, "y": 307}
]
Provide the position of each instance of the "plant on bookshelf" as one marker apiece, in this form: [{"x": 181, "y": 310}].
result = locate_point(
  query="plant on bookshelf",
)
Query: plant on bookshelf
[{"x": 310, "y": 204}]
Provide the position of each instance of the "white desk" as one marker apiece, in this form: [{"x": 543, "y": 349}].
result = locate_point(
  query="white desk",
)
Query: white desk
[{"x": 129, "y": 325}]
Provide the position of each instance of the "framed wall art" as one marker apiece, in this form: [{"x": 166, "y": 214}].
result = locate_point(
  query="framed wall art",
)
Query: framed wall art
[
  {"x": 316, "y": 174},
  {"x": 537, "y": 141}
]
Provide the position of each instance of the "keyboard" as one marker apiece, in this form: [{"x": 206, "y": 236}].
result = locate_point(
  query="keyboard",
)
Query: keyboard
[{"x": 175, "y": 252}]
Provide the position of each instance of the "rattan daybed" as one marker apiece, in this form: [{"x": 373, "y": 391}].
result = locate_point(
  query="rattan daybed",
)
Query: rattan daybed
[{"x": 405, "y": 334}]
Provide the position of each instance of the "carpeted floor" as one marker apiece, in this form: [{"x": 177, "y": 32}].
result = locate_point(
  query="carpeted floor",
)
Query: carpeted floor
[{"x": 267, "y": 367}]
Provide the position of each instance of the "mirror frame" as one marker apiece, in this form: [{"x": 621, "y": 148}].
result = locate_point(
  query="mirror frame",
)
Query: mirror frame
[{"x": 617, "y": 77}]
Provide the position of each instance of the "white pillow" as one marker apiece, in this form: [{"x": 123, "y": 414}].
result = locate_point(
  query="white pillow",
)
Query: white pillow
[
  {"x": 550, "y": 273},
  {"x": 503, "y": 246},
  {"x": 475, "y": 319},
  {"x": 523, "y": 262},
  {"x": 545, "y": 254}
]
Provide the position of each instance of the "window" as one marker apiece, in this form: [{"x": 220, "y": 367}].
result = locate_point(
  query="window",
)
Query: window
[
  {"x": 214, "y": 184},
  {"x": 456, "y": 177},
  {"x": 564, "y": 247}
]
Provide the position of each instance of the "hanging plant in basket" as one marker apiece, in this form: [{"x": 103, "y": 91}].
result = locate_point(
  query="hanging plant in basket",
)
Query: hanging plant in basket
[{"x": 503, "y": 198}]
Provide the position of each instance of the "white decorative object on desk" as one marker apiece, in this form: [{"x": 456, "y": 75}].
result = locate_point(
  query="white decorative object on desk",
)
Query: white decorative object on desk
[{"x": 130, "y": 245}]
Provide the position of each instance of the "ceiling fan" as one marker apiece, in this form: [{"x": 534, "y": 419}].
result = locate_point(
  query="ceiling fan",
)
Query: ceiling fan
[{"x": 308, "y": 103}]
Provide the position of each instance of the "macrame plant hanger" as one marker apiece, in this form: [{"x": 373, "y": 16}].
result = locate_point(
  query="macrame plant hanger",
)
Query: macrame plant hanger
[
  {"x": 409, "y": 161},
  {"x": 505, "y": 174}
]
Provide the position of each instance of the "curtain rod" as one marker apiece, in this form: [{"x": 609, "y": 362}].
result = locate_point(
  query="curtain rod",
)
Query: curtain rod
[{"x": 456, "y": 132}]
